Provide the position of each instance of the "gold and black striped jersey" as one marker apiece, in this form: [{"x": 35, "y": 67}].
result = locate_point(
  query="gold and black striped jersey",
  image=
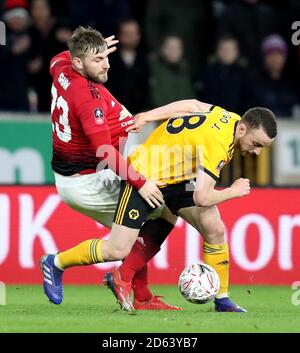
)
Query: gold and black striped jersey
[{"x": 176, "y": 149}]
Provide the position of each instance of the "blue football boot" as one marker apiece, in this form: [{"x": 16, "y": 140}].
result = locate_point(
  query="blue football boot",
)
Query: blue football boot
[
  {"x": 52, "y": 279},
  {"x": 226, "y": 305}
]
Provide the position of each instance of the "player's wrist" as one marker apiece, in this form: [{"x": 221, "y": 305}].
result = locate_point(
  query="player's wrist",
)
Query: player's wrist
[
  {"x": 137, "y": 184},
  {"x": 231, "y": 193},
  {"x": 134, "y": 178}
]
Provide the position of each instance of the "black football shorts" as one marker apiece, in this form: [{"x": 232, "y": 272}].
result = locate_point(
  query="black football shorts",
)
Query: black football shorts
[{"x": 132, "y": 210}]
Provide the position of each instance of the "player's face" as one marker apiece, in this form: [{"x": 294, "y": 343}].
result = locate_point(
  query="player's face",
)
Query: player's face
[
  {"x": 96, "y": 66},
  {"x": 252, "y": 141}
]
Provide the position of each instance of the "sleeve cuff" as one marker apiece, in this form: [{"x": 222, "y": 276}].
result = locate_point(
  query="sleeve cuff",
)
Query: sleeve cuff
[{"x": 216, "y": 178}]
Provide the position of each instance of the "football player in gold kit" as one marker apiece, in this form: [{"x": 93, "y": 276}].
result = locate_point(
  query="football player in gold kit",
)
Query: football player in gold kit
[{"x": 184, "y": 148}]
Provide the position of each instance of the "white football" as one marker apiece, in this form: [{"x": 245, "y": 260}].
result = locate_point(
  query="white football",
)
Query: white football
[{"x": 199, "y": 283}]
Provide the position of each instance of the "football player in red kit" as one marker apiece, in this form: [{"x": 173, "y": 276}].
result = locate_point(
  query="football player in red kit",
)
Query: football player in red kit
[{"x": 88, "y": 124}]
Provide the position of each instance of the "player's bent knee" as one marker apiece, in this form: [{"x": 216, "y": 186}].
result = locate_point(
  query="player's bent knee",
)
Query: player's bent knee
[
  {"x": 119, "y": 253},
  {"x": 215, "y": 226},
  {"x": 214, "y": 233},
  {"x": 220, "y": 228}
]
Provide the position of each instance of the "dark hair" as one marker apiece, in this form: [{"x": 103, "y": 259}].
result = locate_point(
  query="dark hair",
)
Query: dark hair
[
  {"x": 227, "y": 37},
  {"x": 127, "y": 20},
  {"x": 261, "y": 117},
  {"x": 84, "y": 40}
]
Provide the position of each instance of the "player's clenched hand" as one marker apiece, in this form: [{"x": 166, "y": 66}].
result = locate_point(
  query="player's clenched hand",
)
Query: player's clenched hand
[
  {"x": 139, "y": 122},
  {"x": 110, "y": 41},
  {"x": 151, "y": 193},
  {"x": 240, "y": 187}
]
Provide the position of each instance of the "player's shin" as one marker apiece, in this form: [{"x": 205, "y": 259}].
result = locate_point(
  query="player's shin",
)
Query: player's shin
[
  {"x": 152, "y": 234},
  {"x": 86, "y": 253},
  {"x": 140, "y": 285},
  {"x": 217, "y": 256},
  {"x": 134, "y": 268}
]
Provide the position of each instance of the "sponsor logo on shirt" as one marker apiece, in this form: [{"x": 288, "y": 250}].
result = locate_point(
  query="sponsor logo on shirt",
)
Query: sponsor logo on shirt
[{"x": 126, "y": 123}]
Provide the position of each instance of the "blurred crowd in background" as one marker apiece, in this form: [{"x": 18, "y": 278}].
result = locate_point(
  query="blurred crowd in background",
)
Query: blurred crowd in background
[{"x": 235, "y": 54}]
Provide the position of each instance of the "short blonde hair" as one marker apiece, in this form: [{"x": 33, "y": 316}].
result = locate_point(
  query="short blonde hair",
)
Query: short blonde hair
[{"x": 85, "y": 40}]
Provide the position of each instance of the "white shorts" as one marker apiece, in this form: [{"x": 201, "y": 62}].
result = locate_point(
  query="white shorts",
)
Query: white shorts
[{"x": 94, "y": 195}]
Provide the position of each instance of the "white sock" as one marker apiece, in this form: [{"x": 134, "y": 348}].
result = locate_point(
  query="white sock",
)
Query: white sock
[{"x": 57, "y": 263}]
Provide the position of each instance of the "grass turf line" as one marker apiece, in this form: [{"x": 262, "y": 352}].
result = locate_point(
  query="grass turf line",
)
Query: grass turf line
[{"x": 94, "y": 309}]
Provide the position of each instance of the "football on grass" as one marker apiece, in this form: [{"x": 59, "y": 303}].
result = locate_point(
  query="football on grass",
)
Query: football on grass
[{"x": 199, "y": 283}]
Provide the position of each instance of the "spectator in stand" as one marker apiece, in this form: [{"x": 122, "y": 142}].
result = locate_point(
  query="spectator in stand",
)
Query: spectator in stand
[
  {"x": 130, "y": 74},
  {"x": 249, "y": 21},
  {"x": 170, "y": 79},
  {"x": 105, "y": 15},
  {"x": 191, "y": 20},
  {"x": 48, "y": 37},
  {"x": 14, "y": 57},
  {"x": 274, "y": 89},
  {"x": 226, "y": 78}
]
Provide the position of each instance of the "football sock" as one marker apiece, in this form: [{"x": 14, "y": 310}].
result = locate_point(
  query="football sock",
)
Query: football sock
[
  {"x": 140, "y": 285},
  {"x": 86, "y": 253},
  {"x": 151, "y": 236},
  {"x": 217, "y": 256}
]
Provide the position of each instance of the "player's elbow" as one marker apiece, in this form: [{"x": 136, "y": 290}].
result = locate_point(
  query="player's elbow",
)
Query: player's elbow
[
  {"x": 201, "y": 199},
  {"x": 199, "y": 106},
  {"x": 203, "y": 203}
]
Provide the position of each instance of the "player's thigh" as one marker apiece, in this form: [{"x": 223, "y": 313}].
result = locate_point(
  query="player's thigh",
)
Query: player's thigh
[
  {"x": 176, "y": 196},
  {"x": 206, "y": 220},
  {"x": 95, "y": 195},
  {"x": 105, "y": 218},
  {"x": 132, "y": 210},
  {"x": 167, "y": 215}
]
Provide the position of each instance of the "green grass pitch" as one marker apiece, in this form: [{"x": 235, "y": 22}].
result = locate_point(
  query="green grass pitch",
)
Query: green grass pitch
[{"x": 93, "y": 309}]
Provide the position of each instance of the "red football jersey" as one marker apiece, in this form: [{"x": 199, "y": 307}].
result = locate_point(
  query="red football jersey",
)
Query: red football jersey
[{"x": 81, "y": 108}]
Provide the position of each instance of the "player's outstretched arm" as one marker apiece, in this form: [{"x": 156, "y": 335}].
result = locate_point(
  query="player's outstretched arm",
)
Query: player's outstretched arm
[
  {"x": 109, "y": 156},
  {"x": 178, "y": 108},
  {"x": 205, "y": 194}
]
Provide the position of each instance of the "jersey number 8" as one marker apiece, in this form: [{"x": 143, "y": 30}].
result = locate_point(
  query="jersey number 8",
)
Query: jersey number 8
[{"x": 187, "y": 122}]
